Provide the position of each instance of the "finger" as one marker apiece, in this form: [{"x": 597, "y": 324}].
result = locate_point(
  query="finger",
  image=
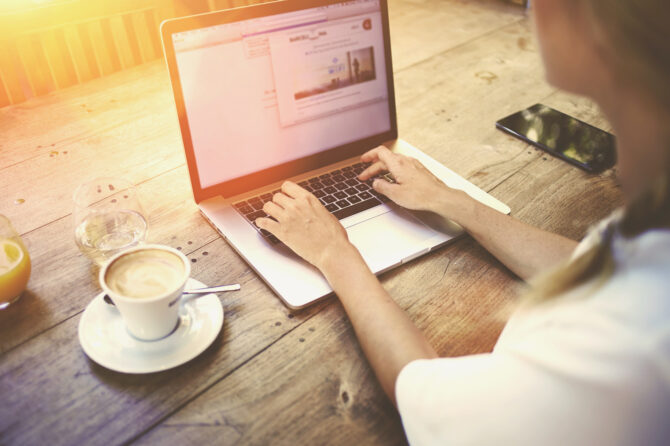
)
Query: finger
[
  {"x": 392, "y": 160},
  {"x": 373, "y": 170},
  {"x": 293, "y": 190},
  {"x": 282, "y": 200},
  {"x": 268, "y": 224},
  {"x": 372, "y": 155},
  {"x": 273, "y": 210},
  {"x": 385, "y": 188}
]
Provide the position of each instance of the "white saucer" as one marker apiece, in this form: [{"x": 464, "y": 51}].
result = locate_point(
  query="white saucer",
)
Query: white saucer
[{"x": 104, "y": 338}]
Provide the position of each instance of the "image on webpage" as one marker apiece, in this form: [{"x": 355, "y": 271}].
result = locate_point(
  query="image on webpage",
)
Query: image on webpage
[
  {"x": 328, "y": 67},
  {"x": 352, "y": 67}
]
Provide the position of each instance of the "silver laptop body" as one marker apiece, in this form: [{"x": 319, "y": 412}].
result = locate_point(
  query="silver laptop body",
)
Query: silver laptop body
[{"x": 293, "y": 90}]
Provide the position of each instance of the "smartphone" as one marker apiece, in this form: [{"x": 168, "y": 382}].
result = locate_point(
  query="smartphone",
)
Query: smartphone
[{"x": 563, "y": 136}]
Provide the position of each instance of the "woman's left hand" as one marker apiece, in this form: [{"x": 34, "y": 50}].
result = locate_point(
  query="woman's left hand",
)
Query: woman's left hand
[{"x": 304, "y": 225}]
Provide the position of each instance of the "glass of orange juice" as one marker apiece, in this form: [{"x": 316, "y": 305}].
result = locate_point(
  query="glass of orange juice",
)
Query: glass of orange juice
[{"x": 14, "y": 264}]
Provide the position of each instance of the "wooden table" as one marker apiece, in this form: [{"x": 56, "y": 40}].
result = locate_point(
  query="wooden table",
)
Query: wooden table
[{"x": 272, "y": 375}]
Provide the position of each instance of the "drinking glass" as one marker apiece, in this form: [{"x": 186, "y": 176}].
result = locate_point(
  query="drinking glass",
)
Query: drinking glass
[
  {"x": 108, "y": 218},
  {"x": 14, "y": 264}
]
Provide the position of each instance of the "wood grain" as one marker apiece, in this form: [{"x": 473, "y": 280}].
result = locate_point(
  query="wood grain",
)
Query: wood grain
[
  {"x": 273, "y": 375},
  {"x": 55, "y": 57}
]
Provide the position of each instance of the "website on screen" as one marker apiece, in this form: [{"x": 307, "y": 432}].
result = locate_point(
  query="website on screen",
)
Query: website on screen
[{"x": 265, "y": 91}]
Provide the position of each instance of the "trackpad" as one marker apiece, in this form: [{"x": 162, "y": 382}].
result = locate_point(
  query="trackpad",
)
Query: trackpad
[{"x": 389, "y": 238}]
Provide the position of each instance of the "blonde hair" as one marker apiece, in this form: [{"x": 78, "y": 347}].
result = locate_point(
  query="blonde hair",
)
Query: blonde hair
[{"x": 637, "y": 43}]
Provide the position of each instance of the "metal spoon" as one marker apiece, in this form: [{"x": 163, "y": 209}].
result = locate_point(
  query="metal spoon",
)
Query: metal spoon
[{"x": 199, "y": 291}]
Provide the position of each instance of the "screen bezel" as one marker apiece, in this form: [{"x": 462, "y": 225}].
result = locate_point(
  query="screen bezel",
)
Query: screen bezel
[
  {"x": 270, "y": 175},
  {"x": 506, "y": 124}
]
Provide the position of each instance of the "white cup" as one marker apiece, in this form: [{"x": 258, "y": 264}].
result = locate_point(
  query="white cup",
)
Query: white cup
[{"x": 146, "y": 285}]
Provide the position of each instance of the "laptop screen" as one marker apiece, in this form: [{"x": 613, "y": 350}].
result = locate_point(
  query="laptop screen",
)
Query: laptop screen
[{"x": 265, "y": 91}]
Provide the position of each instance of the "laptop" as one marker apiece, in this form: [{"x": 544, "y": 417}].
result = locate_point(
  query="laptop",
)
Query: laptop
[{"x": 296, "y": 90}]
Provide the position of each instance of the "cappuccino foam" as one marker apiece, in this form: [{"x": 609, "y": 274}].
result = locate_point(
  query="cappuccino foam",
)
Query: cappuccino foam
[{"x": 144, "y": 274}]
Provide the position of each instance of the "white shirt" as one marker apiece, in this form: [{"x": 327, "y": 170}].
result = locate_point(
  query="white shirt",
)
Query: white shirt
[{"x": 581, "y": 371}]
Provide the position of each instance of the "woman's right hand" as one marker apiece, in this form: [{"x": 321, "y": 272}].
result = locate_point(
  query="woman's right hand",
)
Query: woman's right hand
[{"x": 415, "y": 186}]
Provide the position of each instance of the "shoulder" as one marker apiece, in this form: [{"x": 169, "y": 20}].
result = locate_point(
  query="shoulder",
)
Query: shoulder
[{"x": 592, "y": 370}]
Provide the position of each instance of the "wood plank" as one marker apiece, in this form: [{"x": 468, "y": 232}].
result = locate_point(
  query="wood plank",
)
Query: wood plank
[
  {"x": 4, "y": 92},
  {"x": 83, "y": 403},
  {"x": 121, "y": 42},
  {"x": 54, "y": 295},
  {"x": 136, "y": 150},
  {"x": 146, "y": 46},
  {"x": 35, "y": 64},
  {"x": 316, "y": 389},
  {"x": 131, "y": 34},
  {"x": 10, "y": 67},
  {"x": 268, "y": 370},
  {"x": 83, "y": 57},
  {"x": 421, "y": 29},
  {"x": 151, "y": 21},
  {"x": 113, "y": 50},
  {"x": 45, "y": 16},
  {"x": 59, "y": 58},
  {"x": 40, "y": 125},
  {"x": 100, "y": 48}
]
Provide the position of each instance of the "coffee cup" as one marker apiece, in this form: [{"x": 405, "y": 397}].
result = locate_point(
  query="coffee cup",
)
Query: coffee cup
[{"x": 146, "y": 285}]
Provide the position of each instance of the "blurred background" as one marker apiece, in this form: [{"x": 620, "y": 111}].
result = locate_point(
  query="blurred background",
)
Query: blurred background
[
  {"x": 46, "y": 45},
  {"x": 51, "y": 44}
]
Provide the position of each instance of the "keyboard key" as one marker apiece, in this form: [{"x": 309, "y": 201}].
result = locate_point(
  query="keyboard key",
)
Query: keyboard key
[
  {"x": 316, "y": 185},
  {"x": 332, "y": 207},
  {"x": 352, "y": 182},
  {"x": 365, "y": 195},
  {"x": 327, "y": 182},
  {"x": 357, "y": 165},
  {"x": 309, "y": 188},
  {"x": 257, "y": 205},
  {"x": 354, "y": 199},
  {"x": 253, "y": 216},
  {"x": 246, "y": 210},
  {"x": 342, "y": 203},
  {"x": 351, "y": 191},
  {"x": 381, "y": 197},
  {"x": 349, "y": 174},
  {"x": 345, "y": 169},
  {"x": 340, "y": 195},
  {"x": 335, "y": 172},
  {"x": 329, "y": 199},
  {"x": 274, "y": 192},
  {"x": 324, "y": 176},
  {"x": 303, "y": 183},
  {"x": 266, "y": 197},
  {"x": 319, "y": 193},
  {"x": 363, "y": 187},
  {"x": 330, "y": 190},
  {"x": 356, "y": 208},
  {"x": 240, "y": 205},
  {"x": 313, "y": 180},
  {"x": 338, "y": 178},
  {"x": 323, "y": 201},
  {"x": 341, "y": 186}
]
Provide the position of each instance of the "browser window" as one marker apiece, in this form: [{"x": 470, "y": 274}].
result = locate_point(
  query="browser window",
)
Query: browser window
[{"x": 265, "y": 91}]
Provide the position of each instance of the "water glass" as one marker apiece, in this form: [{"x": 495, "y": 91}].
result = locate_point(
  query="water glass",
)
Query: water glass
[{"x": 108, "y": 218}]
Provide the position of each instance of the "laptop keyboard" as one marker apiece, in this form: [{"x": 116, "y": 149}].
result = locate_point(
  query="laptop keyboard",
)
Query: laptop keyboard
[{"x": 339, "y": 191}]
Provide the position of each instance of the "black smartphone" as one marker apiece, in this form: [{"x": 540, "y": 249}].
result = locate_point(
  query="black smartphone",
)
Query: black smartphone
[{"x": 563, "y": 136}]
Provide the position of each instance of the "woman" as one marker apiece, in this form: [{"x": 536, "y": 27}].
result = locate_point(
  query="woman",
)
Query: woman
[{"x": 588, "y": 361}]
